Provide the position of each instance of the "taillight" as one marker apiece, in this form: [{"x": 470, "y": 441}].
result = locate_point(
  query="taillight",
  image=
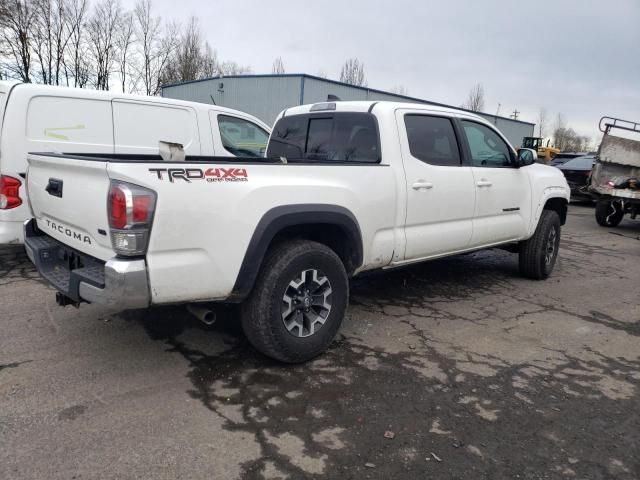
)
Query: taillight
[
  {"x": 9, "y": 192},
  {"x": 131, "y": 209}
]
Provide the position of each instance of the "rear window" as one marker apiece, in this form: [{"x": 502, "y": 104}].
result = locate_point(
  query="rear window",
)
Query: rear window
[
  {"x": 580, "y": 162},
  {"x": 334, "y": 137}
]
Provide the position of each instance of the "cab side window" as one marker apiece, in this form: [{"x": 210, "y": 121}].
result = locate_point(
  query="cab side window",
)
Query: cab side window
[
  {"x": 486, "y": 146},
  {"x": 432, "y": 140},
  {"x": 242, "y": 137}
]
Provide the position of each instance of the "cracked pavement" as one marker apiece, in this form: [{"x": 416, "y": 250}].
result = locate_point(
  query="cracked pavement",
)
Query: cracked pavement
[{"x": 477, "y": 372}]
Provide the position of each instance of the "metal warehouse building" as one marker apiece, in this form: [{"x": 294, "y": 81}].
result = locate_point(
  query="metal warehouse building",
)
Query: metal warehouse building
[{"x": 265, "y": 96}]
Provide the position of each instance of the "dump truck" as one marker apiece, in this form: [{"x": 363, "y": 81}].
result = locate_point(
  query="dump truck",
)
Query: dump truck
[{"x": 614, "y": 179}]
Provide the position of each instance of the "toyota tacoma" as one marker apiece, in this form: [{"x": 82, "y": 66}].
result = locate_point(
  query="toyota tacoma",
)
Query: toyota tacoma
[{"x": 344, "y": 188}]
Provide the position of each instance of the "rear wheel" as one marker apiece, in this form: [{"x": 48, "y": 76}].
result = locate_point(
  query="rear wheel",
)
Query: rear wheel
[
  {"x": 538, "y": 255},
  {"x": 608, "y": 214},
  {"x": 298, "y": 302}
]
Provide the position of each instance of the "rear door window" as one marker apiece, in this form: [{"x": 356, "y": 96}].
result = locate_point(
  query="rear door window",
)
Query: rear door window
[
  {"x": 334, "y": 137},
  {"x": 241, "y": 137},
  {"x": 432, "y": 140}
]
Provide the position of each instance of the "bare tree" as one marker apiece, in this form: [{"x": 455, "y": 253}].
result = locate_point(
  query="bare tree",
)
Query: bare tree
[
  {"x": 156, "y": 47},
  {"x": 193, "y": 58},
  {"x": 475, "y": 100},
  {"x": 42, "y": 39},
  {"x": 75, "y": 62},
  {"x": 560, "y": 132},
  {"x": 50, "y": 37},
  {"x": 61, "y": 36},
  {"x": 101, "y": 29},
  {"x": 322, "y": 73},
  {"x": 209, "y": 62},
  {"x": 278, "y": 66},
  {"x": 229, "y": 68},
  {"x": 400, "y": 90},
  {"x": 124, "y": 38},
  {"x": 542, "y": 122},
  {"x": 16, "y": 26},
  {"x": 353, "y": 73},
  {"x": 148, "y": 35}
]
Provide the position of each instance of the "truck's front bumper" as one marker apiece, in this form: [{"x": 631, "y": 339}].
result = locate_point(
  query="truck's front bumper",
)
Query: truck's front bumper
[{"x": 82, "y": 278}]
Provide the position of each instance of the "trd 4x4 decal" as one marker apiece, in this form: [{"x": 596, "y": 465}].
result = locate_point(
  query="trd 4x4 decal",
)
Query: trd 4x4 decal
[{"x": 210, "y": 175}]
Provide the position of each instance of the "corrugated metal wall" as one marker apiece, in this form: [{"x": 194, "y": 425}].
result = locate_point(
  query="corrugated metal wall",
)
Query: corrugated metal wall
[{"x": 265, "y": 96}]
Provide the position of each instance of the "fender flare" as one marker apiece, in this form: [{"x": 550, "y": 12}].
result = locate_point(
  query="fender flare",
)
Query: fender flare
[
  {"x": 278, "y": 218},
  {"x": 548, "y": 194}
]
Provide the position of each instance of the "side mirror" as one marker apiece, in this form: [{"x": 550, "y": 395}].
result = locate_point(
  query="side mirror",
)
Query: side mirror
[{"x": 527, "y": 156}]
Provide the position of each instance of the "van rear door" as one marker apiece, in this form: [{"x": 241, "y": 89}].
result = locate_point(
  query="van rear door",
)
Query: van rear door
[{"x": 68, "y": 197}]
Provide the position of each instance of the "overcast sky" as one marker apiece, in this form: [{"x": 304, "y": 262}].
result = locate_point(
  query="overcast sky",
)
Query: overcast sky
[{"x": 577, "y": 57}]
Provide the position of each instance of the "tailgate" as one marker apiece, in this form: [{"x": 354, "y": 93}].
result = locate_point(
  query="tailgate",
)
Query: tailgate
[{"x": 68, "y": 198}]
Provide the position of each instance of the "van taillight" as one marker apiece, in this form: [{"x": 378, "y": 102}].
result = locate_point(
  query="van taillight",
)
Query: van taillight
[
  {"x": 9, "y": 192},
  {"x": 131, "y": 209}
]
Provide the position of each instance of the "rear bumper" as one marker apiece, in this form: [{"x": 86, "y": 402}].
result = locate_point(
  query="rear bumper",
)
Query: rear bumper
[{"x": 82, "y": 278}]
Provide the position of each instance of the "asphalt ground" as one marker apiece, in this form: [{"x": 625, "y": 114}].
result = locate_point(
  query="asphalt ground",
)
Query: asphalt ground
[{"x": 458, "y": 368}]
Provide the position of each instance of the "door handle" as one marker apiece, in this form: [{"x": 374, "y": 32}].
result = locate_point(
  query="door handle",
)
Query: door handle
[
  {"x": 422, "y": 184},
  {"x": 484, "y": 183}
]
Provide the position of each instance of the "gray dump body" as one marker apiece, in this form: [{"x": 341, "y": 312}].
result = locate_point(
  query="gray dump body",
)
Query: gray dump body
[{"x": 618, "y": 158}]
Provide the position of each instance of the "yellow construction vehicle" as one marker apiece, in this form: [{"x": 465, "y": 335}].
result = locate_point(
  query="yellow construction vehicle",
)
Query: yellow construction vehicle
[{"x": 545, "y": 152}]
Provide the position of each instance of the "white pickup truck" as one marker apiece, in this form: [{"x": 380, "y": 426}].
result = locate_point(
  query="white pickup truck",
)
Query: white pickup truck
[{"x": 345, "y": 187}]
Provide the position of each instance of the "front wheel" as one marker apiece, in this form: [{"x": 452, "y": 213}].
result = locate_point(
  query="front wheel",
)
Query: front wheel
[
  {"x": 298, "y": 302},
  {"x": 538, "y": 255},
  {"x": 608, "y": 214}
]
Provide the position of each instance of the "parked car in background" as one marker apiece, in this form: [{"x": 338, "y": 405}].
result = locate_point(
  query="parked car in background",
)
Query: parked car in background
[
  {"x": 346, "y": 187},
  {"x": 577, "y": 171},
  {"x": 564, "y": 157},
  {"x": 58, "y": 119}
]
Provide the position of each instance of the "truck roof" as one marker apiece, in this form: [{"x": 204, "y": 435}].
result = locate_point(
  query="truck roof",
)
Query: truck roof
[{"x": 366, "y": 106}]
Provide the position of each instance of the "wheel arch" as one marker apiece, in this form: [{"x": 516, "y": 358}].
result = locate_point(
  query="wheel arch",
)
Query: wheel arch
[
  {"x": 560, "y": 205},
  {"x": 332, "y": 225},
  {"x": 552, "y": 198}
]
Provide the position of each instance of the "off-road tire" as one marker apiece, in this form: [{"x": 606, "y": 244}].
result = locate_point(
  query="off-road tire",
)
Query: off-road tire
[
  {"x": 536, "y": 261},
  {"x": 262, "y": 312},
  {"x": 605, "y": 216}
]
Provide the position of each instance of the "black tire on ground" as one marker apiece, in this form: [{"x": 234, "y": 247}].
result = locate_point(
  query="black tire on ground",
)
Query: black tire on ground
[
  {"x": 607, "y": 214},
  {"x": 274, "y": 317},
  {"x": 539, "y": 253}
]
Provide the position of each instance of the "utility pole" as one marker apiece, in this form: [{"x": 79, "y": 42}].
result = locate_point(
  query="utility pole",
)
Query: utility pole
[{"x": 515, "y": 114}]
